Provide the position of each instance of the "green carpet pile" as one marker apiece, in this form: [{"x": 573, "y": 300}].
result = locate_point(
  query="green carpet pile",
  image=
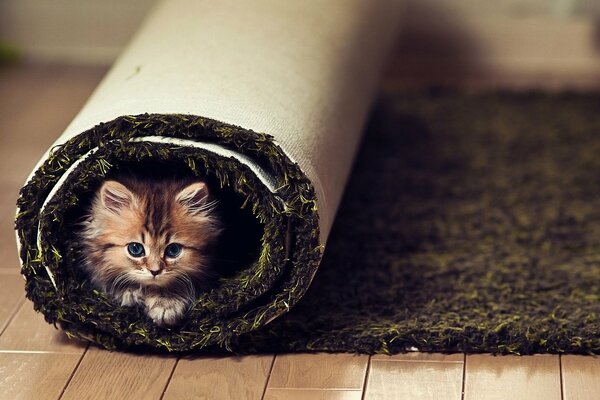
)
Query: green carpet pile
[{"x": 470, "y": 223}]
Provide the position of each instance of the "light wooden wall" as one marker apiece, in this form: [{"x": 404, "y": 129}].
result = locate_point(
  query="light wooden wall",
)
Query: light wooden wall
[
  {"x": 79, "y": 31},
  {"x": 532, "y": 38}
]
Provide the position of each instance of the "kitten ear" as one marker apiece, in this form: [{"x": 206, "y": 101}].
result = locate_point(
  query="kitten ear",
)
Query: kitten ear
[
  {"x": 114, "y": 196},
  {"x": 194, "y": 197}
]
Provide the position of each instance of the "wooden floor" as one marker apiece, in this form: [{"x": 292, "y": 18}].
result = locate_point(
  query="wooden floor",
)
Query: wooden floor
[{"x": 39, "y": 362}]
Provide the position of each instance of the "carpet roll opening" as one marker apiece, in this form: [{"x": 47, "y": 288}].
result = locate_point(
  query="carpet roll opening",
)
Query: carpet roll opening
[
  {"x": 266, "y": 102},
  {"x": 61, "y": 291}
]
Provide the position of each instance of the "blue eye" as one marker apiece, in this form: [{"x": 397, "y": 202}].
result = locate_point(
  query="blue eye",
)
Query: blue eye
[
  {"x": 136, "y": 249},
  {"x": 173, "y": 250}
]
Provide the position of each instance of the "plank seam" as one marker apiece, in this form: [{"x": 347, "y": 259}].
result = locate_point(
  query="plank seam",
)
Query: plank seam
[
  {"x": 268, "y": 377},
  {"x": 560, "y": 376},
  {"x": 72, "y": 374},
  {"x": 464, "y": 377},
  {"x": 366, "y": 380},
  {"x": 162, "y": 395},
  {"x": 18, "y": 306}
]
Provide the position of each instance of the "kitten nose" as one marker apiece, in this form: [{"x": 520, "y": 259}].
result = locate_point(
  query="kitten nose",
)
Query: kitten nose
[{"x": 154, "y": 272}]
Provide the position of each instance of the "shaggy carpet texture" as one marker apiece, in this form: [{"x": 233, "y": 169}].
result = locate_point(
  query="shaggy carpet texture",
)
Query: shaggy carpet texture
[{"x": 471, "y": 223}]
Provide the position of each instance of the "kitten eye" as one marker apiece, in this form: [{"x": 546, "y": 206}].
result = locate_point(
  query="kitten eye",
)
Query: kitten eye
[
  {"x": 136, "y": 249},
  {"x": 173, "y": 250}
]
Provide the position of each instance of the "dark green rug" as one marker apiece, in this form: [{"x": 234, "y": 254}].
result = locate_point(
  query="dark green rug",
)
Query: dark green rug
[{"x": 471, "y": 223}]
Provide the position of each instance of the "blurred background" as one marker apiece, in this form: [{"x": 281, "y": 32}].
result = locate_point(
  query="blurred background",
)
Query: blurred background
[
  {"x": 550, "y": 43},
  {"x": 53, "y": 54}
]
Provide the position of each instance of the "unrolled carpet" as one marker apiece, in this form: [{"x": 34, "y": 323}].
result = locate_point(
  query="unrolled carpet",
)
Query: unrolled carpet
[{"x": 471, "y": 223}]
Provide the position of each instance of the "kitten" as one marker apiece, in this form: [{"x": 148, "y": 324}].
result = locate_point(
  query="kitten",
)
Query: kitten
[{"x": 149, "y": 242}]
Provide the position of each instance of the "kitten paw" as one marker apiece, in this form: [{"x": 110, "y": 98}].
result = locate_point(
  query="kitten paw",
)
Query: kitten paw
[
  {"x": 165, "y": 311},
  {"x": 130, "y": 297}
]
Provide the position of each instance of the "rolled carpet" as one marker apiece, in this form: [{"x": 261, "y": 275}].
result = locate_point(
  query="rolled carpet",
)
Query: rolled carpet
[{"x": 267, "y": 99}]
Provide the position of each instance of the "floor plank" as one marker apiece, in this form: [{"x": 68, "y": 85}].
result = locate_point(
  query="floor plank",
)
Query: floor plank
[
  {"x": 11, "y": 295},
  {"x": 318, "y": 371},
  {"x": 29, "y": 332},
  {"x": 512, "y": 377},
  {"x": 31, "y": 129},
  {"x": 31, "y": 119},
  {"x": 35, "y": 376},
  {"x": 24, "y": 129},
  {"x": 110, "y": 375},
  {"x": 224, "y": 378},
  {"x": 42, "y": 100},
  {"x": 308, "y": 394},
  {"x": 8, "y": 246},
  {"x": 580, "y": 377},
  {"x": 22, "y": 83},
  {"x": 9, "y": 192},
  {"x": 415, "y": 376},
  {"x": 421, "y": 357}
]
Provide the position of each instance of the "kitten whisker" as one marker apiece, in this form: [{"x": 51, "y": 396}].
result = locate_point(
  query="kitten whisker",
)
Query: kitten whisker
[
  {"x": 206, "y": 273},
  {"x": 205, "y": 208},
  {"x": 122, "y": 280},
  {"x": 113, "y": 288},
  {"x": 188, "y": 285},
  {"x": 116, "y": 283}
]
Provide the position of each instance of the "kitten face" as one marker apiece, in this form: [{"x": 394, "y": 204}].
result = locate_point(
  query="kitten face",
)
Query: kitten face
[{"x": 150, "y": 235}]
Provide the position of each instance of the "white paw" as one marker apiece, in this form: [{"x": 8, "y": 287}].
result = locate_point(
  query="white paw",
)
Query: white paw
[
  {"x": 165, "y": 310},
  {"x": 130, "y": 297}
]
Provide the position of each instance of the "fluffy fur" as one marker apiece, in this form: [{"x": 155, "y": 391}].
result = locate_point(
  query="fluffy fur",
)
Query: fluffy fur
[{"x": 154, "y": 214}]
